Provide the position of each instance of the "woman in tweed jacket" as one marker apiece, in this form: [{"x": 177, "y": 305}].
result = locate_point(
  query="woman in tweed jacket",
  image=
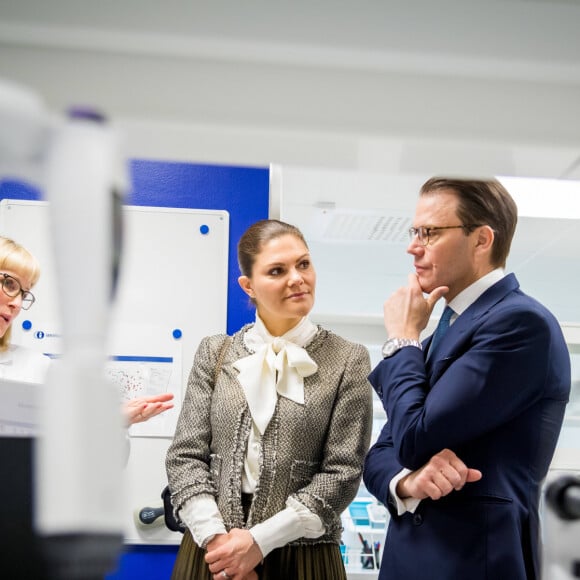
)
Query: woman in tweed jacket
[{"x": 273, "y": 430}]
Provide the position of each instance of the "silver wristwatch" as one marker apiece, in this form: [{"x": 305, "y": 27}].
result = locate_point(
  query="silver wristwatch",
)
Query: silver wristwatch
[{"x": 394, "y": 344}]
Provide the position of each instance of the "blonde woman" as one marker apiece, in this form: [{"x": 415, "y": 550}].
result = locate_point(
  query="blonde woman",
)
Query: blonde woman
[{"x": 19, "y": 272}]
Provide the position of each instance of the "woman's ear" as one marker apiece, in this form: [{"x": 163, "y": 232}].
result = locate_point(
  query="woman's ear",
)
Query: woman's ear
[{"x": 246, "y": 285}]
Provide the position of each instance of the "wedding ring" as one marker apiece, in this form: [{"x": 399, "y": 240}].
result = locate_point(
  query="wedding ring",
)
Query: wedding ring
[{"x": 225, "y": 574}]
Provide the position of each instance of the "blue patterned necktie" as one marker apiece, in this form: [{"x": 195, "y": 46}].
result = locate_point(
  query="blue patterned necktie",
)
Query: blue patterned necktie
[{"x": 440, "y": 330}]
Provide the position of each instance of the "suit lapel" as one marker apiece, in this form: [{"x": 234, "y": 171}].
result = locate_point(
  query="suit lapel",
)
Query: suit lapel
[{"x": 447, "y": 350}]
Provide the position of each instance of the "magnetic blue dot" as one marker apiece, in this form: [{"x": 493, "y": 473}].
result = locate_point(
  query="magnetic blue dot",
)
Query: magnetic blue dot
[
  {"x": 26, "y": 324},
  {"x": 204, "y": 229},
  {"x": 177, "y": 334}
]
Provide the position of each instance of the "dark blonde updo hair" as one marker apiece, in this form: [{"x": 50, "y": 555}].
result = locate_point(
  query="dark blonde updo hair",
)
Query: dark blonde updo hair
[
  {"x": 17, "y": 259},
  {"x": 258, "y": 234}
]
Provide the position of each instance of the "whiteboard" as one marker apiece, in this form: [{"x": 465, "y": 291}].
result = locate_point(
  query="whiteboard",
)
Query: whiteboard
[{"x": 172, "y": 292}]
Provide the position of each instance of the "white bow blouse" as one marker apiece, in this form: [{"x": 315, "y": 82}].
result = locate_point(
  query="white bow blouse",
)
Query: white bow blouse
[{"x": 277, "y": 367}]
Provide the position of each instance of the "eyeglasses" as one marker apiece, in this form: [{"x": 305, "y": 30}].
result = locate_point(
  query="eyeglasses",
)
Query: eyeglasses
[
  {"x": 424, "y": 233},
  {"x": 11, "y": 287}
]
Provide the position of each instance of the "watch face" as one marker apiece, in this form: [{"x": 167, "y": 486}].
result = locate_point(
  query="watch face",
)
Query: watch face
[
  {"x": 394, "y": 344},
  {"x": 390, "y": 347}
]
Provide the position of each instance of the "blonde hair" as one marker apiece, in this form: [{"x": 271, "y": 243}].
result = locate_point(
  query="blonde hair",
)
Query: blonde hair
[{"x": 19, "y": 260}]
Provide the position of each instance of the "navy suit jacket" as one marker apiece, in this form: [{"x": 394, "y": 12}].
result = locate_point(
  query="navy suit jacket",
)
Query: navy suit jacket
[{"x": 494, "y": 393}]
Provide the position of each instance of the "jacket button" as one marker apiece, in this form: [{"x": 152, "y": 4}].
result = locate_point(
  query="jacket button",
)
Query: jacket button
[{"x": 417, "y": 519}]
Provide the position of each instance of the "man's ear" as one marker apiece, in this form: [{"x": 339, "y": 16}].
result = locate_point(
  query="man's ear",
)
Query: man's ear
[
  {"x": 246, "y": 285},
  {"x": 485, "y": 238}
]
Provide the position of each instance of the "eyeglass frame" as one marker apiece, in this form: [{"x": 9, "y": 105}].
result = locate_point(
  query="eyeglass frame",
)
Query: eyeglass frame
[
  {"x": 424, "y": 232},
  {"x": 27, "y": 297}
]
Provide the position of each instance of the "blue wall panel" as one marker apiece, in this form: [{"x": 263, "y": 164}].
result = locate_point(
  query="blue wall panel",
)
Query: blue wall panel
[
  {"x": 244, "y": 193},
  {"x": 145, "y": 563},
  {"x": 10, "y": 189}
]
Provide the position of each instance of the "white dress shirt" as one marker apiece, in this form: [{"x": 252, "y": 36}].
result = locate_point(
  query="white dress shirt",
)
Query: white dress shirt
[{"x": 20, "y": 363}]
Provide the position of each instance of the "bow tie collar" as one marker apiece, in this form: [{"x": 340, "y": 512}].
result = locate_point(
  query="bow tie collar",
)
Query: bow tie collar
[{"x": 278, "y": 366}]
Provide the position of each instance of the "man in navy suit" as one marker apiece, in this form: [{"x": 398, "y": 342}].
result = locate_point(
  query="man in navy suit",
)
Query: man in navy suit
[{"x": 472, "y": 422}]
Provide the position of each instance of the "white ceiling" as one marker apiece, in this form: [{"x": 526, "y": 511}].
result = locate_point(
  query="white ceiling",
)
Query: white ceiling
[
  {"x": 526, "y": 39},
  {"x": 459, "y": 68}
]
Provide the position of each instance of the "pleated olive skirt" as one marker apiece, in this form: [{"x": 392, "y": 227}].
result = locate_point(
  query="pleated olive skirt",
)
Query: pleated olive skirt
[{"x": 308, "y": 562}]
